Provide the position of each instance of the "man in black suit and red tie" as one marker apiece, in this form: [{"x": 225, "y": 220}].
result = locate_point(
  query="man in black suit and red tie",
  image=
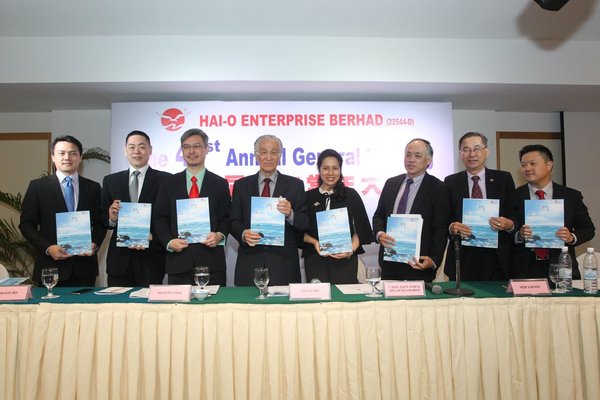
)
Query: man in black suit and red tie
[
  {"x": 415, "y": 192},
  {"x": 63, "y": 191},
  {"x": 194, "y": 182},
  {"x": 477, "y": 181},
  {"x": 138, "y": 184},
  {"x": 537, "y": 163},
  {"x": 283, "y": 262}
]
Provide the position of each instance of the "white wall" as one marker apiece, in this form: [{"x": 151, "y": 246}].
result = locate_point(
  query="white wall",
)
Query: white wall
[{"x": 582, "y": 147}]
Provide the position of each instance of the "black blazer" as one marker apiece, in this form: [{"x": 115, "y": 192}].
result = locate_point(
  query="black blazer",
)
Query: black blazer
[
  {"x": 283, "y": 262},
  {"x": 116, "y": 187},
  {"x": 165, "y": 221},
  {"x": 42, "y": 201},
  {"x": 498, "y": 185},
  {"x": 431, "y": 202},
  {"x": 577, "y": 220},
  {"x": 357, "y": 217}
]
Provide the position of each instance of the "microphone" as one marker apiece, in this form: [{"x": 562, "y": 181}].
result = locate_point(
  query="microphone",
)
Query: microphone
[{"x": 433, "y": 288}]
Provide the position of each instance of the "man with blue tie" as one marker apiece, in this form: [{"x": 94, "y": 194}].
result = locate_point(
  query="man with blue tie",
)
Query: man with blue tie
[
  {"x": 137, "y": 184},
  {"x": 415, "y": 192},
  {"x": 63, "y": 191}
]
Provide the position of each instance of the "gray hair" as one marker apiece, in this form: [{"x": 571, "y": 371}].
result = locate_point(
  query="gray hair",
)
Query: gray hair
[
  {"x": 427, "y": 146},
  {"x": 195, "y": 132},
  {"x": 267, "y": 137}
]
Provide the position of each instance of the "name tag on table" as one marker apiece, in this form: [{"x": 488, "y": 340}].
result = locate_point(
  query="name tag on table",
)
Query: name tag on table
[
  {"x": 170, "y": 293},
  {"x": 15, "y": 293},
  {"x": 404, "y": 288},
  {"x": 310, "y": 291},
  {"x": 528, "y": 287}
]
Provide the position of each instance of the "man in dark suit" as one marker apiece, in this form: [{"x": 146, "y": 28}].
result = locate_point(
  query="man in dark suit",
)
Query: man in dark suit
[
  {"x": 477, "y": 263},
  {"x": 195, "y": 181},
  {"x": 133, "y": 266},
  {"x": 44, "y": 198},
  {"x": 536, "y": 167},
  {"x": 415, "y": 192},
  {"x": 283, "y": 262}
]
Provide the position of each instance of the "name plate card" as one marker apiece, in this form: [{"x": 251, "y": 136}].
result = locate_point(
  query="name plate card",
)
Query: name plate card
[
  {"x": 404, "y": 288},
  {"x": 15, "y": 293},
  {"x": 310, "y": 291},
  {"x": 528, "y": 287},
  {"x": 170, "y": 293}
]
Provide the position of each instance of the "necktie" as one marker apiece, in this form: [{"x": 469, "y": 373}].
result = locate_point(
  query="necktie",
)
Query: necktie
[
  {"x": 404, "y": 199},
  {"x": 476, "y": 192},
  {"x": 194, "y": 191},
  {"x": 541, "y": 254},
  {"x": 69, "y": 194},
  {"x": 266, "y": 191},
  {"x": 133, "y": 187}
]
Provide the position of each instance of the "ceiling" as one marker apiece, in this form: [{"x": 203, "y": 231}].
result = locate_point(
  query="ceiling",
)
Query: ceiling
[{"x": 579, "y": 20}]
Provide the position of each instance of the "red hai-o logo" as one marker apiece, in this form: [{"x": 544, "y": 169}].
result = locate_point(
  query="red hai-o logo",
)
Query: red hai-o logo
[{"x": 172, "y": 119}]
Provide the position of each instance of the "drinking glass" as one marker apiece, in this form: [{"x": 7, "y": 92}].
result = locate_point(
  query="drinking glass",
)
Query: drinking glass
[
  {"x": 201, "y": 276},
  {"x": 555, "y": 276},
  {"x": 50, "y": 279},
  {"x": 374, "y": 277},
  {"x": 261, "y": 280}
]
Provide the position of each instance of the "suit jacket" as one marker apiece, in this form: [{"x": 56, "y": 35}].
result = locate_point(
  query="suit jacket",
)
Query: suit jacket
[
  {"x": 116, "y": 187},
  {"x": 498, "y": 185},
  {"x": 577, "y": 220},
  {"x": 432, "y": 203},
  {"x": 42, "y": 201},
  {"x": 283, "y": 262},
  {"x": 165, "y": 215}
]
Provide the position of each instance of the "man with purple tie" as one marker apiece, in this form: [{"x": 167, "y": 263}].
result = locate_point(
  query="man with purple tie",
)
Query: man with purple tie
[{"x": 415, "y": 192}]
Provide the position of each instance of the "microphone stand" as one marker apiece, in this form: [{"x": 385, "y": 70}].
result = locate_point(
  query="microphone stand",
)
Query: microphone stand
[{"x": 458, "y": 291}]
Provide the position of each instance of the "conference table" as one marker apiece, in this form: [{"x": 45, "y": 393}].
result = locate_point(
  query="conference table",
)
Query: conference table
[{"x": 231, "y": 346}]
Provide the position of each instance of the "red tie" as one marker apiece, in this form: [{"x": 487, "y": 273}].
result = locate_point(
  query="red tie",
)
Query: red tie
[
  {"x": 476, "y": 192},
  {"x": 266, "y": 191},
  {"x": 541, "y": 254},
  {"x": 194, "y": 191}
]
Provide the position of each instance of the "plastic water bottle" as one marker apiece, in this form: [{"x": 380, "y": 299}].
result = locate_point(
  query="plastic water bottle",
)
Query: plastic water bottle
[
  {"x": 567, "y": 268},
  {"x": 590, "y": 272}
]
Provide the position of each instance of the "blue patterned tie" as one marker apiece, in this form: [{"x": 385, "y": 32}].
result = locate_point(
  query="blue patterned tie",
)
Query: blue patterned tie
[{"x": 69, "y": 194}]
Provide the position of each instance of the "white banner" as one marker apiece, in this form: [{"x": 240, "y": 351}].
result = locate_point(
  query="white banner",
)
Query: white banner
[{"x": 371, "y": 137}]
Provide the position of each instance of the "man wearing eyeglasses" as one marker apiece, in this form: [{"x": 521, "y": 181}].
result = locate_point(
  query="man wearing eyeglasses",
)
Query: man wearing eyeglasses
[
  {"x": 193, "y": 182},
  {"x": 477, "y": 181},
  {"x": 283, "y": 262}
]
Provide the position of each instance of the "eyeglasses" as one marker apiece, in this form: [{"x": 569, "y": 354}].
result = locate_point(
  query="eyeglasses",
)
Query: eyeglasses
[
  {"x": 264, "y": 153},
  {"x": 475, "y": 150},
  {"x": 188, "y": 147}
]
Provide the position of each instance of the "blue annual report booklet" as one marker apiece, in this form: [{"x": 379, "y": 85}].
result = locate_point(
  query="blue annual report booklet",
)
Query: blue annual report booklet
[
  {"x": 476, "y": 214},
  {"x": 545, "y": 217},
  {"x": 134, "y": 224},
  {"x": 334, "y": 231},
  {"x": 193, "y": 219},
  {"x": 406, "y": 231},
  {"x": 267, "y": 220},
  {"x": 74, "y": 232}
]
